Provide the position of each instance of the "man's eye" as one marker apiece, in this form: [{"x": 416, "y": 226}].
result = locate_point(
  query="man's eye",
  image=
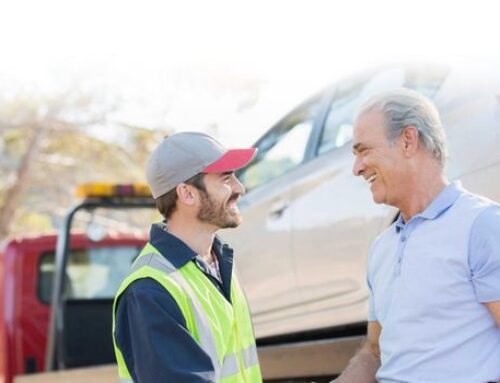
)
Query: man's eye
[{"x": 360, "y": 151}]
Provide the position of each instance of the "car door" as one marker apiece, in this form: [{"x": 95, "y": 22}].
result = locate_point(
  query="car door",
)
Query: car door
[{"x": 263, "y": 242}]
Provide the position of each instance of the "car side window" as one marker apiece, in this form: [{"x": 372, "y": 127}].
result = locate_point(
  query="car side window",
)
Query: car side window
[
  {"x": 351, "y": 94},
  {"x": 283, "y": 148},
  {"x": 337, "y": 129},
  {"x": 426, "y": 80}
]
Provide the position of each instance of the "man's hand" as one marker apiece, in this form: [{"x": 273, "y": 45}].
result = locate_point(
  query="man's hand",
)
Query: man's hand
[
  {"x": 363, "y": 367},
  {"x": 494, "y": 308}
]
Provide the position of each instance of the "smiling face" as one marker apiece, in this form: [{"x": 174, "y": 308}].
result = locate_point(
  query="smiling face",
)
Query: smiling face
[
  {"x": 381, "y": 163},
  {"x": 218, "y": 205}
]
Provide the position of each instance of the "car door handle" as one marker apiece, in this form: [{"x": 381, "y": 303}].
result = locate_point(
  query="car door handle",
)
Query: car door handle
[{"x": 278, "y": 208}]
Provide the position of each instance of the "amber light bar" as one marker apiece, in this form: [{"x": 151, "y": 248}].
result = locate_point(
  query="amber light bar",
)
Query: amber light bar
[{"x": 113, "y": 190}]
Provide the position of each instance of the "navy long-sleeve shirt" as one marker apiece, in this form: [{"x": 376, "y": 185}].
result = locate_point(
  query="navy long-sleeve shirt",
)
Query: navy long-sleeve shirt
[{"x": 150, "y": 328}]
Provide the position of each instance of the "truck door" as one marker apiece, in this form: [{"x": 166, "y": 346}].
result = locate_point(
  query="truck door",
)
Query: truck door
[{"x": 93, "y": 275}]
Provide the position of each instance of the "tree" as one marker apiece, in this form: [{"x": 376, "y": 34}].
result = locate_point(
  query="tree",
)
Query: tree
[{"x": 47, "y": 150}]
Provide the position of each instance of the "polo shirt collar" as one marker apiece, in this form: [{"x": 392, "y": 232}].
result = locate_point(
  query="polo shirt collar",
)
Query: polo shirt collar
[
  {"x": 177, "y": 252},
  {"x": 399, "y": 224},
  {"x": 443, "y": 201},
  {"x": 439, "y": 205}
]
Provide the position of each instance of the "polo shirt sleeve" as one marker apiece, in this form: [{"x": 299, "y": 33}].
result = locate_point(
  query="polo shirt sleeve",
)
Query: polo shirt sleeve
[
  {"x": 371, "y": 304},
  {"x": 372, "y": 317},
  {"x": 484, "y": 255},
  {"x": 152, "y": 335}
]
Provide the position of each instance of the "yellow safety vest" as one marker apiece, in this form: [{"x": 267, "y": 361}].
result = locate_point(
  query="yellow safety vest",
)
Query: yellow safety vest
[{"x": 223, "y": 330}]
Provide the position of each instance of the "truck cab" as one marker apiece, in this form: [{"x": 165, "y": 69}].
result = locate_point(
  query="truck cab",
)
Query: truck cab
[{"x": 93, "y": 271}]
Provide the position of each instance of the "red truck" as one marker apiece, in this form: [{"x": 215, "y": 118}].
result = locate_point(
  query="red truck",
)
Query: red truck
[{"x": 31, "y": 339}]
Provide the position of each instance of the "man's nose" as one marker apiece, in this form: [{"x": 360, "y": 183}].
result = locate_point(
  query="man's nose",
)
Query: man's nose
[
  {"x": 358, "y": 166},
  {"x": 238, "y": 186}
]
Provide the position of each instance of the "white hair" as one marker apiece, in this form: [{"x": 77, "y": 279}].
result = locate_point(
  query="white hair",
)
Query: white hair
[{"x": 402, "y": 108}]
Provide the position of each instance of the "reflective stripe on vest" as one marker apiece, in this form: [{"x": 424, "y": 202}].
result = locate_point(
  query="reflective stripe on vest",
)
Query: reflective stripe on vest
[
  {"x": 126, "y": 381},
  {"x": 230, "y": 365},
  {"x": 250, "y": 357}
]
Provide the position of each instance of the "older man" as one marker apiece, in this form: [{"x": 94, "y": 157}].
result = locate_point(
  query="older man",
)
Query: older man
[{"x": 434, "y": 275}]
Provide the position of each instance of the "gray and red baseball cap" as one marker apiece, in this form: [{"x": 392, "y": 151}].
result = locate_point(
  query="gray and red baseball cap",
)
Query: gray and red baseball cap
[{"x": 183, "y": 155}]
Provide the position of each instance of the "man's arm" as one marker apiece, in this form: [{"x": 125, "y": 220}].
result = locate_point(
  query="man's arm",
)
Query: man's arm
[
  {"x": 152, "y": 335},
  {"x": 364, "y": 365},
  {"x": 484, "y": 259},
  {"x": 494, "y": 308}
]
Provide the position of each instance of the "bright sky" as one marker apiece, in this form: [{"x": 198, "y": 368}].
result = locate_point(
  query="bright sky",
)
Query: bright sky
[{"x": 179, "y": 63}]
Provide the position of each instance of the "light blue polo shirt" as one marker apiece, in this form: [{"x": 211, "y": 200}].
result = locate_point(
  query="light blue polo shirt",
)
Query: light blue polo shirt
[{"x": 428, "y": 280}]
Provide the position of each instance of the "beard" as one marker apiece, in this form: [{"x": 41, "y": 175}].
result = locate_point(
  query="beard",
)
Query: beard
[{"x": 218, "y": 214}]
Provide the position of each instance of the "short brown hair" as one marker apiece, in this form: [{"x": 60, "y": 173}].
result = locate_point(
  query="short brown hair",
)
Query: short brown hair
[{"x": 166, "y": 203}]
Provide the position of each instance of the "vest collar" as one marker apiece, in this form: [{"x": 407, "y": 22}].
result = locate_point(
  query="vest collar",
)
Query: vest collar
[{"x": 177, "y": 252}]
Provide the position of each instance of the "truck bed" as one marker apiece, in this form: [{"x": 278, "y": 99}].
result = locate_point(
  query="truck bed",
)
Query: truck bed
[{"x": 100, "y": 374}]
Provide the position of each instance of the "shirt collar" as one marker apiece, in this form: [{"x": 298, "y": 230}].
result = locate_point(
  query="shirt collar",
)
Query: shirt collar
[
  {"x": 399, "y": 224},
  {"x": 176, "y": 251},
  {"x": 438, "y": 206}
]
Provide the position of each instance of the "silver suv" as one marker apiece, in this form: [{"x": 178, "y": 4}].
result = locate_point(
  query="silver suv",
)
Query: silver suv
[{"x": 308, "y": 222}]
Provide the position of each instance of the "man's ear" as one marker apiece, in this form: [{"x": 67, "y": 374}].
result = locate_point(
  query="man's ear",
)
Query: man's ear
[
  {"x": 409, "y": 140},
  {"x": 185, "y": 194}
]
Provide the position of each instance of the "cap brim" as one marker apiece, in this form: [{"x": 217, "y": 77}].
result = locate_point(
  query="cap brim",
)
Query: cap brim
[{"x": 232, "y": 160}]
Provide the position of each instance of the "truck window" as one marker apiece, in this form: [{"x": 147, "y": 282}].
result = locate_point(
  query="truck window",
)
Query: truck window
[{"x": 93, "y": 273}]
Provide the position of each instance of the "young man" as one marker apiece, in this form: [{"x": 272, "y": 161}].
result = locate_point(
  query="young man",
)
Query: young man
[
  {"x": 434, "y": 275},
  {"x": 180, "y": 315}
]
